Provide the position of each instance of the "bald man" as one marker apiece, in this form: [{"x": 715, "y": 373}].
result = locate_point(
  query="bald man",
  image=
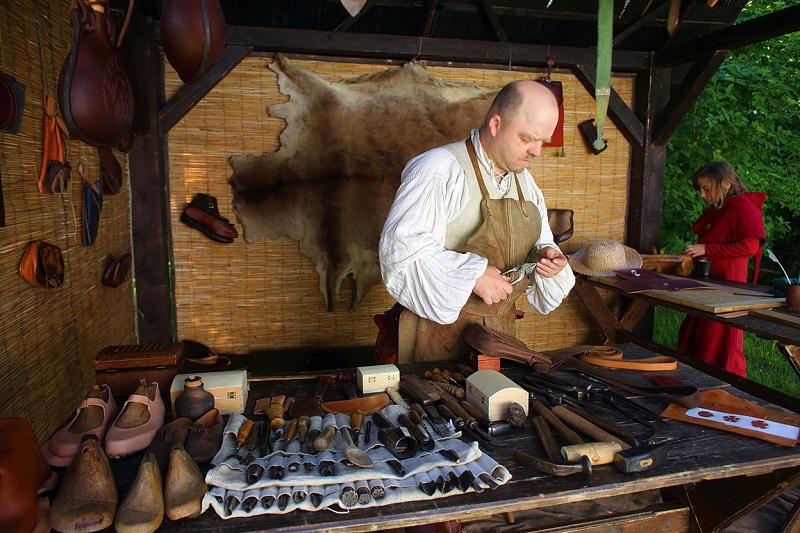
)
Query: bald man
[{"x": 465, "y": 213}]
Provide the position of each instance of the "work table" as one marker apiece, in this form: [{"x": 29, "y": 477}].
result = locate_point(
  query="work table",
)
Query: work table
[{"x": 702, "y": 464}]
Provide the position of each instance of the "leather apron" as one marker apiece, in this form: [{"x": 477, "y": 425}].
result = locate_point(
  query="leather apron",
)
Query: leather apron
[{"x": 508, "y": 232}]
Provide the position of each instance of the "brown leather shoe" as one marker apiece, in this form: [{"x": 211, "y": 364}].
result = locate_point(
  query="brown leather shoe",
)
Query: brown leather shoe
[
  {"x": 184, "y": 487},
  {"x": 142, "y": 510},
  {"x": 87, "y": 498},
  {"x": 167, "y": 436},
  {"x": 205, "y": 436}
]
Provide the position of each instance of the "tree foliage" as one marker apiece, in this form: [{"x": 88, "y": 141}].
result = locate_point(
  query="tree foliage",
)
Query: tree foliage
[{"x": 748, "y": 115}]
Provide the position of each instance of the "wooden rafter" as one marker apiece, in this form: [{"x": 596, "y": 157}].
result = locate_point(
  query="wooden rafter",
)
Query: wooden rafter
[{"x": 493, "y": 20}]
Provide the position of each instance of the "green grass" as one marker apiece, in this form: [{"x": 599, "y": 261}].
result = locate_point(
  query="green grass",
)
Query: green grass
[{"x": 765, "y": 364}]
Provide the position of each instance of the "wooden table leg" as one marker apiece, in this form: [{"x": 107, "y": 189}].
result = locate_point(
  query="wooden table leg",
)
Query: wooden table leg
[{"x": 599, "y": 311}]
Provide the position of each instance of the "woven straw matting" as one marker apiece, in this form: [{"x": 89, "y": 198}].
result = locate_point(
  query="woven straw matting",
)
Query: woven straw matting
[
  {"x": 264, "y": 295},
  {"x": 48, "y": 338}
]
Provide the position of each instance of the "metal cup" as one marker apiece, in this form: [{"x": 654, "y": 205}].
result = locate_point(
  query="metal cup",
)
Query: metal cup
[{"x": 702, "y": 267}]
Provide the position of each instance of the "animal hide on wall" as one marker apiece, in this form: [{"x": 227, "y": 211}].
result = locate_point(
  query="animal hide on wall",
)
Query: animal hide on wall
[{"x": 333, "y": 180}]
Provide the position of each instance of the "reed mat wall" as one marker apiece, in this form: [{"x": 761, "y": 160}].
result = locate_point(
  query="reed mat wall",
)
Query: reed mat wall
[
  {"x": 264, "y": 295},
  {"x": 49, "y": 337}
]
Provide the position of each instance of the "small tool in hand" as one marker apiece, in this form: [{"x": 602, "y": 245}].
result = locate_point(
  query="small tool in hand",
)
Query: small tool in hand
[{"x": 241, "y": 437}]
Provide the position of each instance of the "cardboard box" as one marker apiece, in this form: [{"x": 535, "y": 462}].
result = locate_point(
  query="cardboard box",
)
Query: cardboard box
[
  {"x": 121, "y": 367},
  {"x": 377, "y": 378},
  {"x": 229, "y": 388},
  {"x": 491, "y": 392}
]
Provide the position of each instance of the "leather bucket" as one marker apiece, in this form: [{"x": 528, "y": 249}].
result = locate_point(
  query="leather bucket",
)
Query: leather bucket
[{"x": 193, "y": 36}]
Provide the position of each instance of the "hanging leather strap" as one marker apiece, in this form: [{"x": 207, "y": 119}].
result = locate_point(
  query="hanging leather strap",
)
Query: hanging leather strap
[
  {"x": 602, "y": 88},
  {"x": 473, "y": 157}
]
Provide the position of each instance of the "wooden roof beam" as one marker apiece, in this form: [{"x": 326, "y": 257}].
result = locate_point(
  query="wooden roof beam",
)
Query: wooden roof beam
[
  {"x": 619, "y": 112},
  {"x": 364, "y": 45},
  {"x": 493, "y": 20},
  {"x": 738, "y": 36},
  {"x": 693, "y": 84}
]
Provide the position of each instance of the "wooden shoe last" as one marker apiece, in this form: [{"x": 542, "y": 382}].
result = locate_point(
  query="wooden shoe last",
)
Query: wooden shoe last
[
  {"x": 184, "y": 487},
  {"x": 142, "y": 510},
  {"x": 87, "y": 498}
]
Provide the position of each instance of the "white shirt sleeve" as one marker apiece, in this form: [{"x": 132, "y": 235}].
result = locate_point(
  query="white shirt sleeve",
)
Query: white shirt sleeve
[
  {"x": 545, "y": 294},
  {"x": 417, "y": 270}
]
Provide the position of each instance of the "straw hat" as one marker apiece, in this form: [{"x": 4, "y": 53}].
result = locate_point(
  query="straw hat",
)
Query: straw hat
[{"x": 602, "y": 258}]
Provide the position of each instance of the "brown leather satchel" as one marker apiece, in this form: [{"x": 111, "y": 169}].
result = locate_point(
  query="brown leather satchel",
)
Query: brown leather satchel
[
  {"x": 55, "y": 172},
  {"x": 93, "y": 89},
  {"x": 193, "y": 36},
  {"x": 42, "y": 265}
]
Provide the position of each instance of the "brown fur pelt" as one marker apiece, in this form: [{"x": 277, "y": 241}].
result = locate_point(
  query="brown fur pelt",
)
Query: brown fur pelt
[{"x": 331, "y": 183}]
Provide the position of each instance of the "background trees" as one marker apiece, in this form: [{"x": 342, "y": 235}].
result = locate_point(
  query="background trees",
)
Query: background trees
[{"x": 748, "y": 115}]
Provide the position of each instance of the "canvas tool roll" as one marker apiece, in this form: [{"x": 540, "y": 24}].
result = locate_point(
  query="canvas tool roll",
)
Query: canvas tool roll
[{"x": 508, "y": 232}]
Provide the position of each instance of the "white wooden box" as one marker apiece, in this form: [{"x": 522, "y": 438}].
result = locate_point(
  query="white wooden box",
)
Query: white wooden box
[
  {"x": 491, "y": 392},
  {"x": 377, "y": 378},
  {"x": 229, "y": 388}
]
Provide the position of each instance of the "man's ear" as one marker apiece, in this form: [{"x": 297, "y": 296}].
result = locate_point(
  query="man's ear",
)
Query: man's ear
[{"x": 494, "y": 124}]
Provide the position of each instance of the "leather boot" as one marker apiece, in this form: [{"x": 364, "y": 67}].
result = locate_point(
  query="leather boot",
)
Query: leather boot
[
  {"x": 87, "y": 498},
  {"x": 184, "y": 487},
  {"x": 202, "y": 213},
  {"x": 142, "y": 510}
]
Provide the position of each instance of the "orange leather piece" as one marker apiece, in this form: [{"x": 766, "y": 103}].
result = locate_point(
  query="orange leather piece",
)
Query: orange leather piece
[{"x": 22, "y": 471}]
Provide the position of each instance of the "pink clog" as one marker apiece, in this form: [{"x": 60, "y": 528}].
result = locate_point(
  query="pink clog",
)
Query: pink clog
[
  {"x": 62, "y": 446},
  {"x": 137, "y": 423}
]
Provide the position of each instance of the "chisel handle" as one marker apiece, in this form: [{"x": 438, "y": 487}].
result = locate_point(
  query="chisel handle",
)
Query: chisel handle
[
  {"x": 244, "y": 432},
  {"x": 291, "y": 430},
  {"x": 546, "y": 436},
  {"x": 474, "y": 413},
  {"x": 553, "y": 420},
  {"x": 324, "y": 439},
  {"x": 586, "y": 427}
]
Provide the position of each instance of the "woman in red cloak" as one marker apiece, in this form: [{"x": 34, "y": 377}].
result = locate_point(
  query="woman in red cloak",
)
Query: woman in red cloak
[{"x": 729, "y": 232}]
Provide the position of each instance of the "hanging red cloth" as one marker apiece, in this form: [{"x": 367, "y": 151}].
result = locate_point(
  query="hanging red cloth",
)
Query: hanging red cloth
[{"x": 732, "y": 235}]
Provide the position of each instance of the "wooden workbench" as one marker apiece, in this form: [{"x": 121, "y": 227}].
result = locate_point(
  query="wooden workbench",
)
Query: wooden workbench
[{"x": 718, "y": 475}]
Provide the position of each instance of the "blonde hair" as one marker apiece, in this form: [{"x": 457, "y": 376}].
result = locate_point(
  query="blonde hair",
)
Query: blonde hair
[{"x": 718, "y": 173}]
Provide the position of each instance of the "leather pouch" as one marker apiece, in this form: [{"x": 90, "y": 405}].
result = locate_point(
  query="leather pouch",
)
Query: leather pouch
[
  {"x": 55, "y": 171},
  {"x": 94, "y": 91},
  {"x": 117, "y": 270},
  {"x": 110, "y": 171},
  {"x": 192, "y": 35},
  {"x": 42, "y": 265}
]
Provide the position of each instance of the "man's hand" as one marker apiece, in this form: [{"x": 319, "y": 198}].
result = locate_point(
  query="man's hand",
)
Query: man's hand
[
  {"x": 492, "y": 287},
  {"x": 550, "y": 262},
  {"x": 695, "y": 250}
]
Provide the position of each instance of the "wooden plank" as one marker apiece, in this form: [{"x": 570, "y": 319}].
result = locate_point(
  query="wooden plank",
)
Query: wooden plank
[
  {"x": 782, "y": 316},
  {"x": 408, "y": 47},
  {"x": 715, "y": 299},
  {"x": 695, "y": 81},
  {"x": 752, "y": 31}
]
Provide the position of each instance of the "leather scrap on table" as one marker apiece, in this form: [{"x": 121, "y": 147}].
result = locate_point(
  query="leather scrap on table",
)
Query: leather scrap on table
[
  {"x": 640, "y": 280},
  {"x": 720, "y": 400}
]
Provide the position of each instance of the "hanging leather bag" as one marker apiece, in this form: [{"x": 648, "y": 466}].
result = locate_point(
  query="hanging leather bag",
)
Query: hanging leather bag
[
  {"x": 55, "y": 172},
  {"x": 193, "y": 36},
  {"x": 42, "y": 265},
  {"x": 94, "y": 91}
]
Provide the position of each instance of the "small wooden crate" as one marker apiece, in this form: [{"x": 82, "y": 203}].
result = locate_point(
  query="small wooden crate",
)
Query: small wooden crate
[
  {"x": 491, "y": 392},
  {"x": 229, "y": 388},
  {"x": 121, "y": 367}
]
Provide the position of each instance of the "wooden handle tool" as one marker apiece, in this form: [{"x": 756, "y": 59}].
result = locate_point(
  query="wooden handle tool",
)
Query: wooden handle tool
[
  {"x": 599, "y": 453},
  {"x": 291, "y": 430},
  {"x": 553, "y": 420},
  {"x": 546, "y": 436},
  {"x": 356, "y": 421},
  {"x": 244, "y": 432},
  {"x": 324, "y": 439},
  {"x": 587, "y": 428},
  {"x": 302, "y": 427}
]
